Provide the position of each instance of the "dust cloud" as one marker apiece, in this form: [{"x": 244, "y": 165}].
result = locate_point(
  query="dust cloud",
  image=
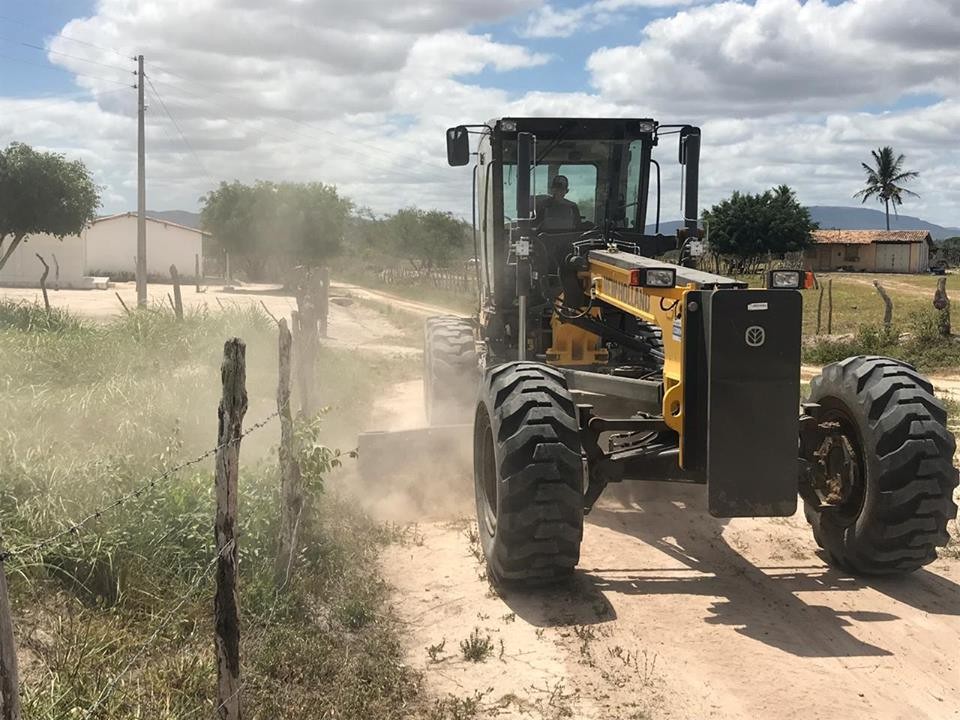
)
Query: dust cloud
[{"x": 407, "y": 472}]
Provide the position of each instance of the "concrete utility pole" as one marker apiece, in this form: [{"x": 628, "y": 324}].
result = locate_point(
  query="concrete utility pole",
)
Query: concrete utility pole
[{"x": 141, "y": 193}]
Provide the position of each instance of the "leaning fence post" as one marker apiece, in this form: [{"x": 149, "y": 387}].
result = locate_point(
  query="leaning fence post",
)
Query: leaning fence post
[
  {"x": 819, "y": 309},
  {"x": 887, "y": 305},
  {"x": 177, "y": 297},
  {"x": 291, "y": 502},
  {"x": 830, "y": 306},
  {"x": 43, "y": 281},
  {"x": 233, "y": 406},
  {"x": 9, "y": 681}
]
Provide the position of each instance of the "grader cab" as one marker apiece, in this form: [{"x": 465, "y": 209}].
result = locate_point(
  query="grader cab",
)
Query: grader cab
[{"x": 592, "y": 361}]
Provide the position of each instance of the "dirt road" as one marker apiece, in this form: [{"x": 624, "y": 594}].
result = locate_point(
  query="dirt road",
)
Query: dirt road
[{"x": 672, "y": 614}]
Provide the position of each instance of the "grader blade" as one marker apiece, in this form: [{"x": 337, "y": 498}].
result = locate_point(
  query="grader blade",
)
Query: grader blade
[{"x": 441, "y": 448}]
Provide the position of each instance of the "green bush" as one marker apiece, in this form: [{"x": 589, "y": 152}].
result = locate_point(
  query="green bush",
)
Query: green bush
[{"x": 920, "y": 344}]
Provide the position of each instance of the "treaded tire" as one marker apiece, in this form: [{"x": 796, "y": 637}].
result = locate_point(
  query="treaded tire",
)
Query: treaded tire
[
  {"x": 528, "y": 475},
  {"x": 450, "y": 370},
  {"x": 906, "y": 455}
]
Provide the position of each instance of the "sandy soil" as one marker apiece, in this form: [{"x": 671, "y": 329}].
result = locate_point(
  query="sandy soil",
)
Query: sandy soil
[
  {"x": 671, "y": 614},
  {"x": 349, "y": 324},
  {"x": 674, "y": 614}
]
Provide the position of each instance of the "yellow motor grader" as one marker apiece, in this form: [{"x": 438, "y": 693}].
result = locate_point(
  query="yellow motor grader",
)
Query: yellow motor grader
[{"x": 590, "y": 361}]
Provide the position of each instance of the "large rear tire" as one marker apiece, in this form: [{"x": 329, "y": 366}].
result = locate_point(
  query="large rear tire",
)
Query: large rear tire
[
  {"x": 891, "y": 512},
  {"x": 450, "y": 370},
  {"x": 528, "y": 475}
]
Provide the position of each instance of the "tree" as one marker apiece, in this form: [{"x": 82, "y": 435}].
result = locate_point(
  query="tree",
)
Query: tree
[
  {"x": 747, "y": 228},
  {"x": 426, "y": 238},
  {"x": 948, "y": 250},
  {"x": 42, "y": 192},
  {"x": 883, "y": 179},
  {"x": 272, "y": 226}
]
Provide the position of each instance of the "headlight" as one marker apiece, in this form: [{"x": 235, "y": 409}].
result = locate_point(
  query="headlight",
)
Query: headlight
[
  {"x": 784, "y": 279},
  {"x": 653, "y": 277}
]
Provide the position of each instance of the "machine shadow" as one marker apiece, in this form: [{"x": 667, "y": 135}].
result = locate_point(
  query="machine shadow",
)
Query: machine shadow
[{"x": 761, "y": 603}]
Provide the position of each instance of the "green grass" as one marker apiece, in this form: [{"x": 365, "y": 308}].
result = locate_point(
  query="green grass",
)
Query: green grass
[
  {"x": 916, "y": 341},
  {"x": 92, "y": 410}
]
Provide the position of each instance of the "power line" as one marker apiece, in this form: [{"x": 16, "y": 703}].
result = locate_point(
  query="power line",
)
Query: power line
[
  {"x": 63, "y": 69},
  {"x": 179, "y": 130},
  {"x": 13, "y": 41}
]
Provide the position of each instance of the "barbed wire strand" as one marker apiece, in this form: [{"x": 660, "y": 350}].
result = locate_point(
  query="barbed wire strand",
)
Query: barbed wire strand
[
  {"x": 111, "y": 686},
  {"x": 132, "y": 495}
]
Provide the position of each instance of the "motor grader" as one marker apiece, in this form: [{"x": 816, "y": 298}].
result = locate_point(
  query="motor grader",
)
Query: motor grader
[{"x": 592, "y": 361}]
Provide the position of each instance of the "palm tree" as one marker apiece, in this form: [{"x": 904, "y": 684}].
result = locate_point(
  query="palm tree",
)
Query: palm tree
[{"x": 882, "y": 180}]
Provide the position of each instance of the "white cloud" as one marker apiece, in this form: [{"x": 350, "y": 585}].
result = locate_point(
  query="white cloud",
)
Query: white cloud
[
  {"x": 548, "y": 21},
  {"x": 787, "y": 56},
  {"x": 360, "y": 97}
]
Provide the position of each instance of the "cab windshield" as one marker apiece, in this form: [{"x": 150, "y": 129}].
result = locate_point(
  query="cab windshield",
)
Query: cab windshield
[{"x": 577, "y": 184}]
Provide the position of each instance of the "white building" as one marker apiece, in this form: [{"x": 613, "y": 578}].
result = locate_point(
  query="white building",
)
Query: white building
[{"x": 107, "y": 248}]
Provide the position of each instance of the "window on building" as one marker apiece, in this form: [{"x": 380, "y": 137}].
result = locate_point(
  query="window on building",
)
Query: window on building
[{"x": 851, "y": 253}]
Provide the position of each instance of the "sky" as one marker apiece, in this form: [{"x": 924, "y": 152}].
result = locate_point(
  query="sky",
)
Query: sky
[{"x": 359, "y": 93}]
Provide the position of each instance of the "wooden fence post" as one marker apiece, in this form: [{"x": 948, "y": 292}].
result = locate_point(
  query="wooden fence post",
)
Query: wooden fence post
[
  {"x": 830, "y": 306},
  {"x": 196, "y": 271},
  {"x": 887, "y": 305},
  {"x": 291, "y": 502},
  {"x": 323, "y": 302},
  {"x": 43, "y": 281},
  {"x": 177, "y": 297},
  {"x": 942, "y": 304},
  {"x": 9, "y": 680},
  {"x": 233, "y": 406},
  {"x": 56, "y": 272},
  {"x": 300, "y": 364},
  {"x": 819, "y": 309},
  {"x": 226, "y": 268}
]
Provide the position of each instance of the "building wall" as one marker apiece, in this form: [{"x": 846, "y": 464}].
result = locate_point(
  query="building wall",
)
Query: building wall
[
  {"x": 112, "y": 247},
  {"x": 910, "y": 257},
  {"x": 24, "y": 270}
]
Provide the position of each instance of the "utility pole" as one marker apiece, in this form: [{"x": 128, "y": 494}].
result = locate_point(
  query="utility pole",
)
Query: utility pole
[{"x": 141, "y": 193}]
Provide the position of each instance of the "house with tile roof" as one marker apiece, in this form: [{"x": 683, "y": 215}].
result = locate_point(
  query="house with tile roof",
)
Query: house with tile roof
[{"x": 893, "y": 251}]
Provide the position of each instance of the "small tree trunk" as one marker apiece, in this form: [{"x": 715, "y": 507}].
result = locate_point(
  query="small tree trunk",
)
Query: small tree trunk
[
  {"x": 942, "y": 304},
  {"x": 177, "y": 297},
  {"x": 887, "y": 305},
  {"x": 830, "y": 306},
  {"x": 819, "y": 309},
  {"x": 233, "y": 406},
  {"x": 14, "y": 244},
  {"x": 9, "y": 677},
  {"x": 56, "y": 272},
  {"x": 43, "y": 281},
  {"x": 291, "y": 483}
]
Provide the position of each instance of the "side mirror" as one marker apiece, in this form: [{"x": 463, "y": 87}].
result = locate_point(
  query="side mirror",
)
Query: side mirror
[{"x": 458, "y": 146}]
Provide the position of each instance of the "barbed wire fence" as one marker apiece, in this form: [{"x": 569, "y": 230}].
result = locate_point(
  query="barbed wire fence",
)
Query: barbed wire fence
[{"x": 232, "y": 408}]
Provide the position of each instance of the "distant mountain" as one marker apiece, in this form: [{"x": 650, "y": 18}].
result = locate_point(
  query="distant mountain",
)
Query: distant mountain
[
  {"x": 181, "y": 217},
  {"x": 852, "y": 218}
]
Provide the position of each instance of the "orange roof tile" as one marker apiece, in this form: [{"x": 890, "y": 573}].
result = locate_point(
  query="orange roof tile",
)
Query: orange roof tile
[{"x": 867, "y": 237}]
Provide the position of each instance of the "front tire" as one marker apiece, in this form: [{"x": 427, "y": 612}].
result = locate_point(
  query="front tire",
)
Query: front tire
[
  {"x": 891, "y": 513},
  {"x": 528, "y": 474}
]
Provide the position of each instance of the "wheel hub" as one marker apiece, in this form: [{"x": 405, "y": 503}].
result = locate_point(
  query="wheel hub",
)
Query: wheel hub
[{"x": 838, "y": 480}]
